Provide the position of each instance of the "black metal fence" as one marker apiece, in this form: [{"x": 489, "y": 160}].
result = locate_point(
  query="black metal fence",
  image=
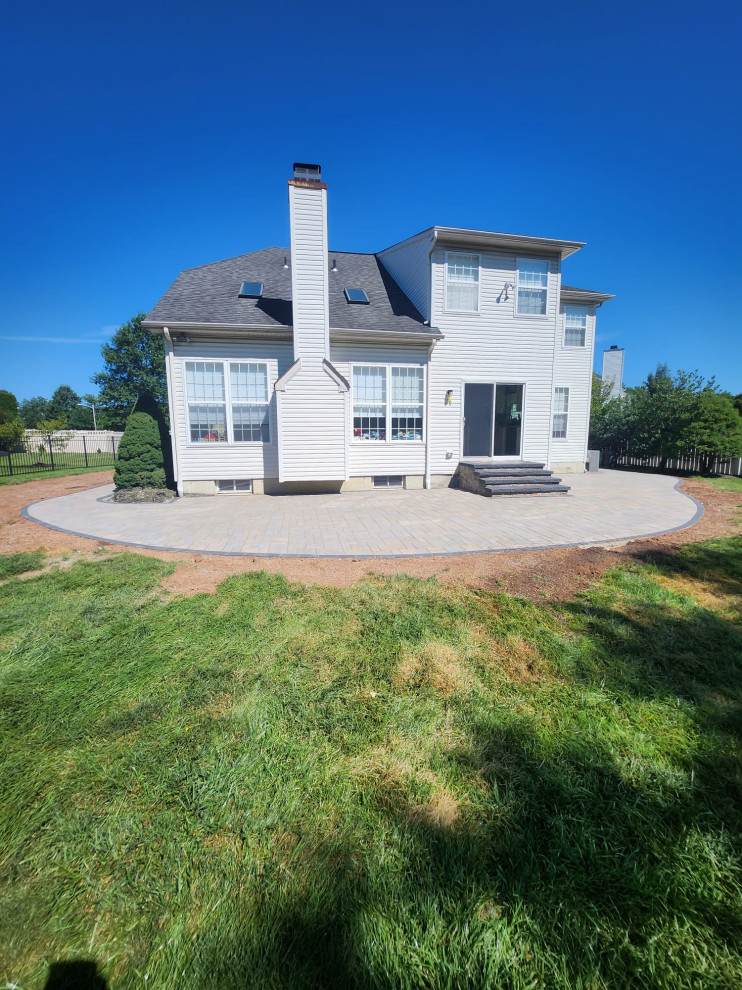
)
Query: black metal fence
[
  {"x": 54, "y": 452},
  {"x": 687, "y": 463}
]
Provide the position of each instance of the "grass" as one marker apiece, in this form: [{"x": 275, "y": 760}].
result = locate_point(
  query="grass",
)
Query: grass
[
  {"x": 398, "y": 784},
  {"x": 19, "y": 479},
  {"x": 19, "y": 563},
  {"x": 65, "y": 462},
  {"x": 726, "y": 483}
]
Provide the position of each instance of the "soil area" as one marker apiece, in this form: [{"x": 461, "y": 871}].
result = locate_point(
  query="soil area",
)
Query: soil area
[{"x": 538, "y": 575}]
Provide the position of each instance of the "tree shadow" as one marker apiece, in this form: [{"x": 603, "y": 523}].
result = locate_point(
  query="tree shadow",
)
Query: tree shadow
[{"x": 75, "y": 974}]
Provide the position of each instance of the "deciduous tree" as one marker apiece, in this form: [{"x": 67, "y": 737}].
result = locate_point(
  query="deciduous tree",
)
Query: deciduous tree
[
  {"x": 134, "y": 364},
  {"x": 8, "y": 406},
  {"x": 32, "y": 411}
]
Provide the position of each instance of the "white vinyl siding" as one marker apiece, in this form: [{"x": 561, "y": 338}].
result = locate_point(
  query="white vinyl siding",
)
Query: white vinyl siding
[
  {"x": 462, "y": 283},
  {"x": 409, "y": 265},
  {"x": 249, "y": 395},
  {"x": 561, "y": 413},
  {"x": 495, "y": 345},
  {"x": 367, "y": 459},
  {"x": 575, "y": 326},
  {"x": 309, "y": 273},
  {"x": 383, "y": 394},
  {"x": 207, "y": 410},
  {"x": 532, "y": 288},
  {"x": 210, "y": 461}
]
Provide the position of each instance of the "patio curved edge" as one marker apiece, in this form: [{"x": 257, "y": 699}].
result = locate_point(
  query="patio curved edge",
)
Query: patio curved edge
[{"x": 27, "y": 514}]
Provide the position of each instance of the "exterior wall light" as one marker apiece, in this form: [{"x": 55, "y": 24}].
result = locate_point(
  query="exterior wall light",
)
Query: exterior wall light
[{"x": 449, "y": 397}]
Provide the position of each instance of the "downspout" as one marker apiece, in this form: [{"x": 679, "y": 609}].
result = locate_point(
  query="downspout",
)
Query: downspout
[
  {"x": 426, "y": 480},
  {"x": 557, "y": 323},
  {"x": 171, "y": 407}
]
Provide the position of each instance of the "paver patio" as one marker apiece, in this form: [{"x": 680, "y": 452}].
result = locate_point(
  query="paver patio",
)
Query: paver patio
[{"x": 600, "y": 508}]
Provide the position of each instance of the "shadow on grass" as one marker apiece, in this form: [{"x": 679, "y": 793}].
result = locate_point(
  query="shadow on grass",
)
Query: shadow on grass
[
  {"x": 581, "y": 864},
  {"x": 75, "y": 974}
]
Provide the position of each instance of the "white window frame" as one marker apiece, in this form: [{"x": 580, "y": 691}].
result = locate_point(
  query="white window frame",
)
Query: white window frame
[
  {"x": 231, "y": 402},
  {"x": 586, "y": 311},
  {"x": 468, "y": 254},
  {"x": 547, "y": 288},
  {"x": 387, "y": 366},
  {"x": 230, "y": 441},
  {"x": 554, "y": 413}
]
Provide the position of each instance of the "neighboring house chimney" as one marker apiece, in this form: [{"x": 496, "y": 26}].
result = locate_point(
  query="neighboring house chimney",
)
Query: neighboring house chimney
[
  {"x": 613, "y": 370},
  {"x": 309, "y": 275}
]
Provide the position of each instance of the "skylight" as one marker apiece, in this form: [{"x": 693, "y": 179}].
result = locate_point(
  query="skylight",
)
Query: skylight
[
  {"x": 251, "y": 290},
  {"x": 356, "y": 296}
]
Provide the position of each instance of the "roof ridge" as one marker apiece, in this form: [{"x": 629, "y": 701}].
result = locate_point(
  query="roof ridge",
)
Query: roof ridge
[{"x": 234, "y": 257}]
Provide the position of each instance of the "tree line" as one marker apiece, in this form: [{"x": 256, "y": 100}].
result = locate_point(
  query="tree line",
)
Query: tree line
[
  {"x": 667, "y": 416},
  {"x": 133, "y": 364}
]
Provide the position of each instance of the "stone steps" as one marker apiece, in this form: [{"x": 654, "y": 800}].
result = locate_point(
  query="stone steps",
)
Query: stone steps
[
  {"x": 490, "y": 477},
  {"x": 525, "y": 489}
]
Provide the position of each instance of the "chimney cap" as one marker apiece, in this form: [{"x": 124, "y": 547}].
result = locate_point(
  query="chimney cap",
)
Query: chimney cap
[{"x": 307, "y": 171}]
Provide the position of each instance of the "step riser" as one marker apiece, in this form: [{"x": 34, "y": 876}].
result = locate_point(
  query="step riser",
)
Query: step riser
[
  {"x": 526, "y": 490},
  {"x": 486, "y": 475},
  {"x": 521, "y": 481},
  {"x": 502, "y": 465}
]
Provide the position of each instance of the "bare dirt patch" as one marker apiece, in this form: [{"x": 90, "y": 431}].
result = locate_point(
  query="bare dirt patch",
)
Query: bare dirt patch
[{"x": 537, "y": 574}]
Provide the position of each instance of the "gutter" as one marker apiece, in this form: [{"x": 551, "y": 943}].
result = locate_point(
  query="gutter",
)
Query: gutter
[{"x": 171, "y": 408}]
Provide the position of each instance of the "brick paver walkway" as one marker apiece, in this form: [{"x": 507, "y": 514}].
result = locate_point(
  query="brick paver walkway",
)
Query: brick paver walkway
[{"x": 602, "y": 507}]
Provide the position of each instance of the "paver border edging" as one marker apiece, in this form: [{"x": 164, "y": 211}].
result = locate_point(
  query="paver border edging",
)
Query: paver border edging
[{"x": 26, "y": 514}]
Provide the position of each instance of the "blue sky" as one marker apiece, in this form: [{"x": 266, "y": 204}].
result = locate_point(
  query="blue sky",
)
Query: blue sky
[{"x": 141, "y": 139}]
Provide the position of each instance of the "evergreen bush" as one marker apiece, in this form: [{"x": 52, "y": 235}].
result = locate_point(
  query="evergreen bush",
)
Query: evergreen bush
[{"x": 140, "y": 462}]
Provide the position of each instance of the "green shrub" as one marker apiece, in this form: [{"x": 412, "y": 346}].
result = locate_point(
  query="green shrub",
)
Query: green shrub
[
  {"x": 11, "y": 434},
  {"x": 141, "y": 461}
]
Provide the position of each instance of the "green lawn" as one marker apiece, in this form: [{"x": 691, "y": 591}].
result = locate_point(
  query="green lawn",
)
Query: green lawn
[
  {"x": 394, "y": 785},
  {"x": 40, "y": 465},
  {"x": 724, "y": 484}
]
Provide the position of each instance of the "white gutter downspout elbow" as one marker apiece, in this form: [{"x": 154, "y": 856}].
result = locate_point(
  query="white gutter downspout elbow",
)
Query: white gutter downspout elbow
[{"x": 171, "y": 407}]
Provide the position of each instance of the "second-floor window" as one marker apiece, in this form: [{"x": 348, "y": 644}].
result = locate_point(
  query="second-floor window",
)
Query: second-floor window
[
  {"x": 533, "y": 287},
  {"x": 462, "y": 282},
  {"x": 575, "y": 326}
]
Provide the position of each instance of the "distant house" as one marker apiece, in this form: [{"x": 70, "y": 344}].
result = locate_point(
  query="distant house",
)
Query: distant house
[
  {"x": 612, "y": 370},
  {"x": 302, "y": 368}
]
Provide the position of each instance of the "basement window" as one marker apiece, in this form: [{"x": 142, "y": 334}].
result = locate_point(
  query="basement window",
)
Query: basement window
[
  {"x": 388, "y": 481},
  {"x": 241, "y": 485},
  {"x": 251, "y": 290},
  {"x": 356, "y": 296}
]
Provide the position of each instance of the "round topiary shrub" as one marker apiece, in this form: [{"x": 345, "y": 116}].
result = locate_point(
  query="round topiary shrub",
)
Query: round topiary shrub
[{"x": 140, "y": 462}]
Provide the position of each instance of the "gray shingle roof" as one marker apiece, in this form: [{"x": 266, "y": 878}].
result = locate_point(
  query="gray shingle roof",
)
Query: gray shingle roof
[{"x": 209, "y": 295}]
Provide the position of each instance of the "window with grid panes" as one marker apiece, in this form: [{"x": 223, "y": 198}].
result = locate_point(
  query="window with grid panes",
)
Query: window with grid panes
[
  {"x": 532, "y": 287},
  {"x": 462, "y": 282},
  {"x": 207, "y": 409},
  {"x": 369, "y": 403},
  {"x": 561, "y": 412},
  {"x": 408, "y": 397},
  {"x": 248, "y": 385},
  {"x": 575, "y": 326}
]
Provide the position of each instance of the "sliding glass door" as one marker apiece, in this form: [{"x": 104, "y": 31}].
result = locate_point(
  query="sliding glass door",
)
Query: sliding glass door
[{"x": 493, "y": 420}]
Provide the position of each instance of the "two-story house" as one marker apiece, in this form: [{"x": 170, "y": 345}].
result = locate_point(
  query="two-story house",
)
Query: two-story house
[{"x": 306, "y": 369}]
